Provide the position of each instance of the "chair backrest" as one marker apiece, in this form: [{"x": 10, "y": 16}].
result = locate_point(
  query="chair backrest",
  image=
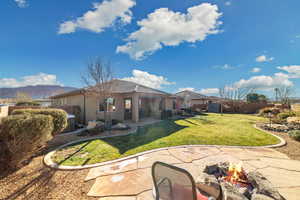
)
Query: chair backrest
[{"x": 173, "y": 183}]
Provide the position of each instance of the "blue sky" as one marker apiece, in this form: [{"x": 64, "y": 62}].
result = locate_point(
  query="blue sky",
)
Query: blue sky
[{"x": 169, "y": 45}]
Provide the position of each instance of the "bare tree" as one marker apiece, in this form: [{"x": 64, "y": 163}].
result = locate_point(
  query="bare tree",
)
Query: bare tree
[
  {"x": 234, "y": 93},
  {"x": 284, "y": 93},
  {"x": 98, "y": 79}
]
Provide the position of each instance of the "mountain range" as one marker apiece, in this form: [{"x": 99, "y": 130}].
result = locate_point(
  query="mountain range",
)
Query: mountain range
[{"x": 35, "y": 92}]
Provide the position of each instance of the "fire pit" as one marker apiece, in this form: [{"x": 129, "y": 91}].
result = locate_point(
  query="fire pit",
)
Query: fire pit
[{"x": 228, "y": 181}]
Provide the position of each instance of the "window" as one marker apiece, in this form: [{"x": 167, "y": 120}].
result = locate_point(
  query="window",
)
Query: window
[{"x": 109, "y": 103}]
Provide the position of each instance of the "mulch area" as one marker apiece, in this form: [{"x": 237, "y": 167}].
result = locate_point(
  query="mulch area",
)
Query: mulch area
[
  {"x": 37, "y": 182},
  {"x": 291, "y": 149}
]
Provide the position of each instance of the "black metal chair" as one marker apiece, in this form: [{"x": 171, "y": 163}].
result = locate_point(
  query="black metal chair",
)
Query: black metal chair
[{"x": 173, "y": 183}]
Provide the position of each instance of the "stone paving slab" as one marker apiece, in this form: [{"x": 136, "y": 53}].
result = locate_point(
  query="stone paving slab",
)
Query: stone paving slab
[
  {"x": 264, "y": 152},
  {"x": 240, "y": 153},
  {"x": 124, "y": 184},
  {"x": 290, "y": 193},
  {"x": 115, "y": 168},
  {"x": 132, "y": 180},
  {"x": 145, "y": 195},
  {"x": 147, "y": 160},
  {"x": 118, "y": 198},
  {"x": 192, "y": 153},
  {"x": 264, "y": 162},
  {"x": 281, "y": 177},
  {"x": 191, "y": 168}
]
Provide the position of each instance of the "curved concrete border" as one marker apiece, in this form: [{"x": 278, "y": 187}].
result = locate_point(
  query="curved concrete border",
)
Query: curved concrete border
[
  {"x": 49, "y": 162},
  {"x": 280, "y": 144}
]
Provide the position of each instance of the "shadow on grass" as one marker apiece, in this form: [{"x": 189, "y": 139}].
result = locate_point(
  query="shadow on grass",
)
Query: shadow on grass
[{"x": 144, "y": 135}]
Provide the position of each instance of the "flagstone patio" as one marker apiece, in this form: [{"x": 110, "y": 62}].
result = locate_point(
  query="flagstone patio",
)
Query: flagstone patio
[{"x": 131, "y": 179}]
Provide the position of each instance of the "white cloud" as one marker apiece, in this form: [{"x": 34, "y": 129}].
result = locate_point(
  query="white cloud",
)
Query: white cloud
[
  {"x": 186, "y": 89},
  {"x": 225, "y": 67},
  {"x": 256, "y": 70},
  {"x": 21, "y": 3},
  {"x": 209, "y": 91},
  {"x": 227, "y": 3},
  {"x": 264, "y": 58},
  {"x": 38, "y": 79},
  {"x": 164, "y": 27},
  {"x": 147, "y": 79},
  {"x": 293, "y": 70},
  {"x": 264, "y": 82},
  {"x": 103, "y": 15}
]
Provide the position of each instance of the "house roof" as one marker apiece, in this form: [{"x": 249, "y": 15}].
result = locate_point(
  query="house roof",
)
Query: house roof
[
  {"x": 191, "y": 94},
  {"x": 117, "y": 86}
]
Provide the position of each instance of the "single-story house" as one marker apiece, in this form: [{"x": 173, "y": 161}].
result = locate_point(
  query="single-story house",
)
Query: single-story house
[
  {"x": 196, "y": 100},
  {"x": 191, "y": 98},
  {"x": 127, "y": 101}
]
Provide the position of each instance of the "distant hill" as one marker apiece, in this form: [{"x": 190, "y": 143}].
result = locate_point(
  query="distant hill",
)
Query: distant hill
[{"x": 36, "y": 92}]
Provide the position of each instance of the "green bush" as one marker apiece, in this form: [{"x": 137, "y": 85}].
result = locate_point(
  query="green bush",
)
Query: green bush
[
  {"x": 60, "y": 120},
  {"x": 285, "y": 115},
  {"x": 24, "y": 134},
  {"x": 295, "y": 134},
  {"x": 28, "y": 103}
]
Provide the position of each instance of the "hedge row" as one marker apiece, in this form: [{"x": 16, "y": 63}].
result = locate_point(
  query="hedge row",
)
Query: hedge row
[
  {"x": 28, "y": 103},
  {"x": 24, "y": 134},
  {"x": 60, "y": 120}
]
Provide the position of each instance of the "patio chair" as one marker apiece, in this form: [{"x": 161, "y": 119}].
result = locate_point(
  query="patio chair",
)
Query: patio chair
[{"x": 173, "y": 183}]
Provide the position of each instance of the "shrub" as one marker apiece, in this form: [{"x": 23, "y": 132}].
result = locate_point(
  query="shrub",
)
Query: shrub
[
  {"x": 265, "y": 111},
  {"x": 285, "y": 115},
  {"x": 295, "y": 134},
  {"x": 24, "y": 134},
  {"x": 60, "y": 120},
  {"x": 28, "y": 103}
]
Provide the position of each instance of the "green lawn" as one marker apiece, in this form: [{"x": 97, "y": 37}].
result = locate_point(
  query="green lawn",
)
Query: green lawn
[{"x": 214, "y": 129}]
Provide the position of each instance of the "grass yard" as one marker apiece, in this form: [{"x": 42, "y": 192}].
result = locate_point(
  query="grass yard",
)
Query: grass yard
[{"x": 214, "y": 129}]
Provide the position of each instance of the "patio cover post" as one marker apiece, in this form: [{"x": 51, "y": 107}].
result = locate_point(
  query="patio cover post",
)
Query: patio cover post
[{"x": 135, "y": 107}]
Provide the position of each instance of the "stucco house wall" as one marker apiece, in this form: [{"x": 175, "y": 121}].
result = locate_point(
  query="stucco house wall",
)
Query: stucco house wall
[
  {"x": 142, "y": 97},
  {"x": 74, "y": 100}
]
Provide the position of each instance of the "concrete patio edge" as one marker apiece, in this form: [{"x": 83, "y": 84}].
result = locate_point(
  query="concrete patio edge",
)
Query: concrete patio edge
[{"x": 49, "y": 162}]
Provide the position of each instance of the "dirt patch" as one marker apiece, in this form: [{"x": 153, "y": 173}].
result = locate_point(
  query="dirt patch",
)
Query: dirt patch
[
  {"x": 291, "y": 149},
  {"x": 35, "y": 182}
]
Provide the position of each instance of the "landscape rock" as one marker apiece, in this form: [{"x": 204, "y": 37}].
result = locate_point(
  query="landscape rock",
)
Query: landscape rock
[
  {"x": 208, "y": 184},
  {"x": 231, "y": 193},
  {"x": 263, "y": 186},
  {"x": 256, "y": 196},
  {"x": 120, "y": 126}
]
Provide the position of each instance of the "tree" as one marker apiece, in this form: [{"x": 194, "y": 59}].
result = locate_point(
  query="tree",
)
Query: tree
[
  {"x": 255, "y": 98},
  {"x": 284, "y": 94},
  {"x": 234, "y": 93},
  {"x": 98, "y": 79}
]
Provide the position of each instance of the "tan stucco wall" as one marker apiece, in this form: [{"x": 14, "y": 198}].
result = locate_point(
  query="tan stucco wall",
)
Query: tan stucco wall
[
  {"x": 197, "y": 101},
  {"x": 76, "y": 100},
  {"x": 92, "y": 105}
]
